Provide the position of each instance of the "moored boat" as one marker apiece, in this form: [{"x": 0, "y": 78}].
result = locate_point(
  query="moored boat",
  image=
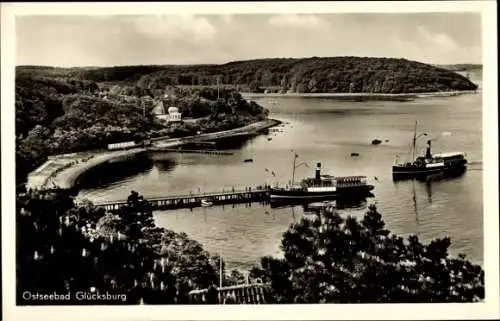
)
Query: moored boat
[
  {"x": 322, "y": 187},
  {"x": 429, "y": 163},
  {"x": 206, "y": 203}
]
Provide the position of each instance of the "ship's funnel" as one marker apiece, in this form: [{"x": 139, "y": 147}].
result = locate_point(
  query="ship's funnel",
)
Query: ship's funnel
[
  {"x": 318, "y": 171},
  {"x": 428, "y": 151}
]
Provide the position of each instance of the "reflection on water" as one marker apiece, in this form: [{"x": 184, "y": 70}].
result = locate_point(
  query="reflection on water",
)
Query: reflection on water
[
  {"x": 234, "y": 143},
  {"x": 341, "y": 204},
  {"x": 428, "y": 180},
  {"x": 163, "y": 162},
  {"x": 115, "y": 170}
]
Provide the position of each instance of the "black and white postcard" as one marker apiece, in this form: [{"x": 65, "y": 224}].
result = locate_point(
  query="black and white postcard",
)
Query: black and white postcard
[{"x": 258, "y": 160}]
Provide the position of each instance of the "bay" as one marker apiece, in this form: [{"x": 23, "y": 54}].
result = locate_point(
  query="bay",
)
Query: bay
[{"x": 327, "y": 131}]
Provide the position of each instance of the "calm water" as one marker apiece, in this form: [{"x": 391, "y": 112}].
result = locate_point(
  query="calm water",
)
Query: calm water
[{"x": 326, "y": 131}]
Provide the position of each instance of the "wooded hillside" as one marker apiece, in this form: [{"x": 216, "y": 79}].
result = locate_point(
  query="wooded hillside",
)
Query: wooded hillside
[
  {"x": 57, "y": 112},
  {"x": 305, "y": 75}
]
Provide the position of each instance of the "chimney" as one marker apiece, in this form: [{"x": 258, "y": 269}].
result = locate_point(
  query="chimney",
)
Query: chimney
[
  {"x": 318, "y": 171},
  {"x": 428, "y": 152}
]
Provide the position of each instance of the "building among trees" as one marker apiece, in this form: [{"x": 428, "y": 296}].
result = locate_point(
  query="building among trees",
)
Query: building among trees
[{"x": 171, "y": 115}]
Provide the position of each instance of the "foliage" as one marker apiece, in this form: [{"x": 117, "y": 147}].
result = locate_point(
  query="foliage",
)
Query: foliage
[
  {"x": 66, "y": 248},
  {"x": 462, "y": 67},
  {"x": 60, "y": 111},
  {"x": 329, "y": 259},
  {"x": 316, "y": 74}
]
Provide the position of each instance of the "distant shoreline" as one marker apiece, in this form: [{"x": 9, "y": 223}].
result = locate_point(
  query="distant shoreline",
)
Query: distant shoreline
[{"x": 362, "y": 95}]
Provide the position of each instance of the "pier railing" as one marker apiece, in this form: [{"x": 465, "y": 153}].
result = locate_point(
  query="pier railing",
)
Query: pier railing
[
  {"x": 232, "y": 196},
  {"x": 254, "y": 293}
]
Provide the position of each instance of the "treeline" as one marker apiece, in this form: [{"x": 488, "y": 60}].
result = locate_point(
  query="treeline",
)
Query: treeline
[
  {"x": 305, "y": 75},
  {"x": 57, "y": 112},
  {"x": 65, "y": 248},
  {"x": 462, "y": 67}
]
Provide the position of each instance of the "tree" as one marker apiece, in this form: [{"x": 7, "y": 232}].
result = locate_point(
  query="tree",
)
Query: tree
[
  {"x": 329, "y": 259},
  {"x": 63, "y": 247}
]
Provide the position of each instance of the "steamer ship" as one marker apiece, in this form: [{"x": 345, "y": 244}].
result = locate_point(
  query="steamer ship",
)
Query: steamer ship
[
  {"x": 322, "y": 187},
  {"x": 447, "y": 163}
]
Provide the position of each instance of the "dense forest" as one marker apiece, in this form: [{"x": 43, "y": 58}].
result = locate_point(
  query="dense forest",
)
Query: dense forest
[
  {"x": 63, "y": 247},
  {"x": 57, "y": 113},
  {"x": 304, "y": 75}
]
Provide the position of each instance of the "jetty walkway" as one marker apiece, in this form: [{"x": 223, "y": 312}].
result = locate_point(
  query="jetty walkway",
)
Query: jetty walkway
[
  {"x": 62, "y": 171},
  {"x": 247, "y": 195}
]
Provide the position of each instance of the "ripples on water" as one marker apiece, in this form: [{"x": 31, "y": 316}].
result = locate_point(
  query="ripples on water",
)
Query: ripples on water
[{"x": 326, "y": 131}]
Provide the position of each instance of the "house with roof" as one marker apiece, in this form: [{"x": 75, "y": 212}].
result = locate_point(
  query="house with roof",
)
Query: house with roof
[{"x": 172, "y": 114}]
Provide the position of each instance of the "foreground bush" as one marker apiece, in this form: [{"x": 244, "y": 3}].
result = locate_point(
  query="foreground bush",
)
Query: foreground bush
[
  {"x": 330, "y": 259},
  {"x": 64, "y": 248}
]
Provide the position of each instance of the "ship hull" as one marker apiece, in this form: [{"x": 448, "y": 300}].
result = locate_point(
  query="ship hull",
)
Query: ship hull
[
  {"x": 402, "y": 172},
  {"x": 302, "y": 195}
]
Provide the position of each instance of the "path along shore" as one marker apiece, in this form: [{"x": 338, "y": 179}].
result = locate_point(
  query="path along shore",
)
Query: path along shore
[{"x": 62, "y": 171}]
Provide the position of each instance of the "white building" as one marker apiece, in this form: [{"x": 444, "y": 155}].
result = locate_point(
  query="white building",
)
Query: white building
[{"x": 172, "y": 115}]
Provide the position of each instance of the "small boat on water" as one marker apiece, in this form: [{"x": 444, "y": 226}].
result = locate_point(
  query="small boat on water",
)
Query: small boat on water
[
  {"x": 429, "y": 163},
  {"x": 206, "y": 203},
  {"x": 322, "y": 187}
]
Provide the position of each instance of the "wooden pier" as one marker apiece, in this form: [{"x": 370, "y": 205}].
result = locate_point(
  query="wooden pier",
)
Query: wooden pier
[{"x": 248, "y": 195}]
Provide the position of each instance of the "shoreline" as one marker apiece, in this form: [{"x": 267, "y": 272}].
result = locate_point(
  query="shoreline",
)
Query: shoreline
[
  {"x": 362, "y": 95},
  {"x": 63, "y": 171}
]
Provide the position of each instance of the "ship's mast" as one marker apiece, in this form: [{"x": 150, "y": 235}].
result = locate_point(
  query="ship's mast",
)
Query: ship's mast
[
  {"x": 293, "y": 170},
  {"x": 414, "y": 142}
]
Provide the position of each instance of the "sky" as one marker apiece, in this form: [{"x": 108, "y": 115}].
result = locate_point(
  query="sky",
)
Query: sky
[{"x": 436, "y": 38}]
